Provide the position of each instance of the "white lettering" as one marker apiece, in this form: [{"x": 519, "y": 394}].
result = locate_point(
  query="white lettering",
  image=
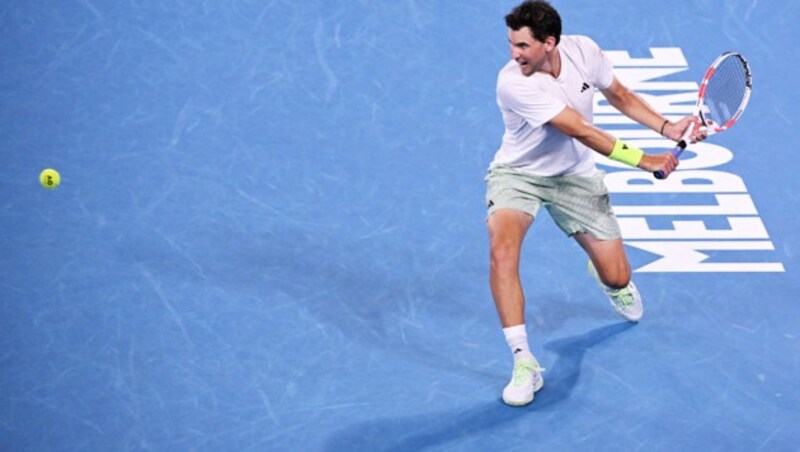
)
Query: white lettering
[
  {"x": 741, "y": 228},
  {"x": 694, "y": 181},
  {"x": 638, "y": 79},
  {"x": 685, "y": 257},
  {"x": 726, "y": 205},
  {"x": 662, "y": 56},
  {"x": 679, "y": 247}
]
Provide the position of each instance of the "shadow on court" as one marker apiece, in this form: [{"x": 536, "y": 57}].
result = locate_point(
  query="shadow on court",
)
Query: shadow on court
[{"x": 415, "y": 433}]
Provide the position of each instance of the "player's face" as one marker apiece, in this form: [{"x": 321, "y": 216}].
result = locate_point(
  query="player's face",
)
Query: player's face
[{"x": 529, "y": 53}]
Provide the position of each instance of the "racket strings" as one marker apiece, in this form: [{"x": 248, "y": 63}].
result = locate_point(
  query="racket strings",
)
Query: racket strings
[{"x": 726, "y": 91}]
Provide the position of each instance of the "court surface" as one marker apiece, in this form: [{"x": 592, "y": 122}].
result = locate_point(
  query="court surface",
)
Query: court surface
[{"x": 270, "y": 235}]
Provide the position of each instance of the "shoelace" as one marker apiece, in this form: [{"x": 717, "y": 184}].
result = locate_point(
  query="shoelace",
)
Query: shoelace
[
  {"x": 523, "y": 369},
  {"x": 623, "y": 297}
]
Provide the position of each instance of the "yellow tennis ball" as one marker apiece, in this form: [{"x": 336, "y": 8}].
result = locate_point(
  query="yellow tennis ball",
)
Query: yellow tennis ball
[{"x": 49, "y": 179}]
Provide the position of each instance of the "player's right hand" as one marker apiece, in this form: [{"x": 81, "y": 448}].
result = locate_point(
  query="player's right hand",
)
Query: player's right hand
[{"x": 665, "y": 162}]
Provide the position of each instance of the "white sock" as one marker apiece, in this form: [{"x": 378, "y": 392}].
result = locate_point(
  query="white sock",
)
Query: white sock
[{"x": 517, "y": 340}]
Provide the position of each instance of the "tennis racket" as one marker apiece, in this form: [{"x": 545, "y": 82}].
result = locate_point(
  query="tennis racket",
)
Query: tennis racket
[{"x": 721, "y": 99}]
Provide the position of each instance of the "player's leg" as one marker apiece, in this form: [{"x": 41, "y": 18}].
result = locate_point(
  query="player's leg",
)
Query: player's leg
[
  {"x": 507, "y": 229},
  {"x": 609, "y": 265},
  {"x": 609, "y": 259},
  {"x": 583, "y": 211},
  {"x": 513, "y": 199}
]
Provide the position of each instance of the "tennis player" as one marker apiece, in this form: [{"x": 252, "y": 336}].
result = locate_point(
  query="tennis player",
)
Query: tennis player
[{"x": 545, "y": 94}]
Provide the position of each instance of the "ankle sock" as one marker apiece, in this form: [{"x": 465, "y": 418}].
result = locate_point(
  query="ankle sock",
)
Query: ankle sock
[{"x": 517, "y": 340}]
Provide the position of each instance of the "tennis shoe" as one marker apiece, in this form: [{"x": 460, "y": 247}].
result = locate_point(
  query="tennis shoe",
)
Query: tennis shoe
[
  {"x": 626, "y": 301},
  {"x": 526, "y": 380}
]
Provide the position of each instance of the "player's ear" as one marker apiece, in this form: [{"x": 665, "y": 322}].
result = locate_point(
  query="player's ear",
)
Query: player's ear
[{"x": 550, "y": 43}]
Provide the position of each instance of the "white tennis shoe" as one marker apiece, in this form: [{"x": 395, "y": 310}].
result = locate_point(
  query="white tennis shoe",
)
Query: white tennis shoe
[
  {"x": 626, "y": 301},
  {"x": 526, "y": 380}
]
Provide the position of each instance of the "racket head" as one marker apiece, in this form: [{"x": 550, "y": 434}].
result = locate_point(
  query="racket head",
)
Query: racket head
[{"x": 724, "y": 92}]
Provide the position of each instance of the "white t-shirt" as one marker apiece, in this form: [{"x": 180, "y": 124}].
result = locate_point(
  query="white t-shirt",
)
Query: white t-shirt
[{"x": 529, "y": 103}]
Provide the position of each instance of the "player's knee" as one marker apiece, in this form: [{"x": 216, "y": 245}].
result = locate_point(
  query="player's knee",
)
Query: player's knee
[
  {"x": 504, "y": 255},
  {"x": 617, "y": 277}
]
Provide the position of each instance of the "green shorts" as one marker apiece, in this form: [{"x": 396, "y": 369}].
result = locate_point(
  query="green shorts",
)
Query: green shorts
[{"x": 576, "y": 203}]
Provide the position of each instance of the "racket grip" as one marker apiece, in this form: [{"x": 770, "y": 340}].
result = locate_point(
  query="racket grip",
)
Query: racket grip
[
  {"x": 678, "y": 150},
  {"x": 677, "y": 153}
]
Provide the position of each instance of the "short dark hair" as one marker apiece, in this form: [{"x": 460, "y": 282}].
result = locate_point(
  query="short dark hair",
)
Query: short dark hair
[{"x": 539, "y": 16}]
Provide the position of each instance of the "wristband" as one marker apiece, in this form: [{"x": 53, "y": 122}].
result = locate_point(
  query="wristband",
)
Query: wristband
[
  {"x": 630, "y": 155},
  {"x": 661, "y": 132}
]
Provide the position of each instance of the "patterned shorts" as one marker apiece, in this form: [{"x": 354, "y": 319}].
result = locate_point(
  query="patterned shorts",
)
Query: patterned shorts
[{"x": 576, "y": 203}]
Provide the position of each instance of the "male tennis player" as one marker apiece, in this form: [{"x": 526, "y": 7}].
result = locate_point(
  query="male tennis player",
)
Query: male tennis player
[{"x": 545, "y": 94}]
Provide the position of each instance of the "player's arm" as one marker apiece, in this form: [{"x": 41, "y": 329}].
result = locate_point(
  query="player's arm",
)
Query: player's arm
[
  {"x": 634, "y": 107},
  {"x": 572, "y": 123}
]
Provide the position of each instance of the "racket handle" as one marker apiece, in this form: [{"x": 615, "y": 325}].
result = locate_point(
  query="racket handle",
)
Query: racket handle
[{"x": 677, "y": 151}]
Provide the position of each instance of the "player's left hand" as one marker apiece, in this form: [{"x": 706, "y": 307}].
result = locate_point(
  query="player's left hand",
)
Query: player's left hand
[{"x": 674, "y": 131}]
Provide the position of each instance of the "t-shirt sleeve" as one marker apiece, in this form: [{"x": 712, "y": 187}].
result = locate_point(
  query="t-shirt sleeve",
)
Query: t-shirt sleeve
[
  {"x": 603, "y": 68},
  {"x": 530, "y": 102}
]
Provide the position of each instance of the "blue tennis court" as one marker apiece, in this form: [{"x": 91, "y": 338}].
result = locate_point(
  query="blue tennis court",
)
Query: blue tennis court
[{"x": 270, "y": 235}]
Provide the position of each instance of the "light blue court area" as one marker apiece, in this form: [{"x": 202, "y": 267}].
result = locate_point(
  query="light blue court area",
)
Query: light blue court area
[{"x": 270, "y": 236}]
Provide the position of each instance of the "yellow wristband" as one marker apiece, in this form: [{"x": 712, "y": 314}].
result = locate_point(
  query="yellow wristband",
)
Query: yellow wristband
[{"x": 625, "y": 153}]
